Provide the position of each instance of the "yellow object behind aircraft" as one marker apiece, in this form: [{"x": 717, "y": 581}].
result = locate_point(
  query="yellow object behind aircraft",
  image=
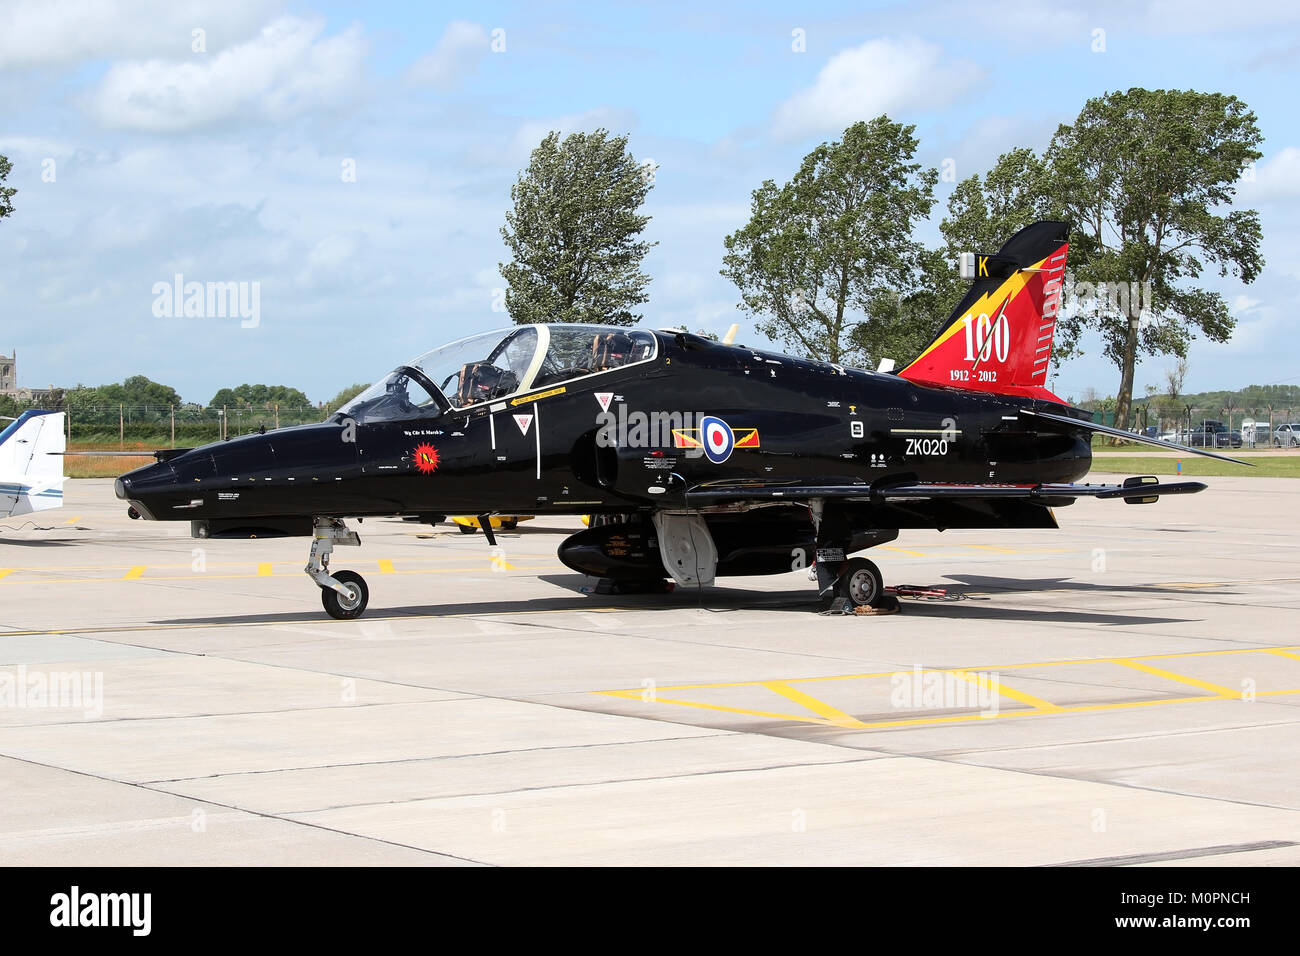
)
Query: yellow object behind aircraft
[{"x": 469, "y": 524}]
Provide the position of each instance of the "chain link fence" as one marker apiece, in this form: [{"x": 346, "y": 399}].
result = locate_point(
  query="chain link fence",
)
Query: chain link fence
[
  {"x": 165, "y": 426},
  {"x": 1245, "y": 427}
]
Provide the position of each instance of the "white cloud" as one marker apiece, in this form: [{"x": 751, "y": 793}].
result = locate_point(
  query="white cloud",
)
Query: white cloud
[
  {"x": 880, "y": 76},
  {"x": 287, "y": 69},
  {"x": 1242, "y": 305},
  {"x": 1277, "y": 177},
  {"x": 38, "y": 33},
  {"x": 458, "y": 52}
]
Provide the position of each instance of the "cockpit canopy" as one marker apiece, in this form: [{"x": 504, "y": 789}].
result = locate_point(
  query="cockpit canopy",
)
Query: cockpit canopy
[{"x": 494, "y": 365}]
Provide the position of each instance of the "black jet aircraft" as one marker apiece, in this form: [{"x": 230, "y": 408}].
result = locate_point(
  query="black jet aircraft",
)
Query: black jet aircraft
[{"x": 698, "y": 459}]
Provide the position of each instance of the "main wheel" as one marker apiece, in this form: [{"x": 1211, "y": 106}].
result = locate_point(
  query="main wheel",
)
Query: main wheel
[
  {"x": 350, "y": 607},
  {"x": 861, "y": 583}
]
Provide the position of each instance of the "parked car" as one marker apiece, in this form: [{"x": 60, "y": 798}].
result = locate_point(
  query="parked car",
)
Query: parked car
[
  {"x": 1212, "y": 434},
  {"x": 1286, "y": 436}
]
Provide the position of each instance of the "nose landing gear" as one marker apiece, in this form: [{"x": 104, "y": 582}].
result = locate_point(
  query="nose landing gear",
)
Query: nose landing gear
[
  {"x": 344, "y": 595},
  {"x": 349, "y": 605}
]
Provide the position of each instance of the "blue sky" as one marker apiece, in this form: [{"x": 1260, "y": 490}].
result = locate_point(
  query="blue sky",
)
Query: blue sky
[{"x": 226, "y": 164}]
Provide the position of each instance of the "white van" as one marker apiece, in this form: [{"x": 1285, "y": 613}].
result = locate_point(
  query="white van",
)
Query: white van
[{"x": 1255, "y": 434}]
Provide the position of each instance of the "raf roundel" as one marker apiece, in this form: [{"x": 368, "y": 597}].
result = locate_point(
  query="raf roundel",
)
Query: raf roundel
[{"x": 718, "y": 439}]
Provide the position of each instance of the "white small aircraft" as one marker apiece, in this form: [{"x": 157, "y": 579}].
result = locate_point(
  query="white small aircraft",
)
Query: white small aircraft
[{"x": 31, "y": 463}]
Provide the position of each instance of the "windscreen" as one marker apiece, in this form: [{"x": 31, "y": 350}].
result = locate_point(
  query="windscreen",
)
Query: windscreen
[
  {"x": 472, "y": 370},
  {"x": 481, "y": 368},
  {"x": 399, "y": 395}
]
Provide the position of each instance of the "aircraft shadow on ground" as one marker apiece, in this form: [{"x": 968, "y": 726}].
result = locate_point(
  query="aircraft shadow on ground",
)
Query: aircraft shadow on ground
[
  {"x": 975, "y": 583},
  {"x": 714, "y": 599}
]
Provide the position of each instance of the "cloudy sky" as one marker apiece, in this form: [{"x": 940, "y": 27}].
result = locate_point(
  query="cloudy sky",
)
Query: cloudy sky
[{"x": 355, "y": 160}]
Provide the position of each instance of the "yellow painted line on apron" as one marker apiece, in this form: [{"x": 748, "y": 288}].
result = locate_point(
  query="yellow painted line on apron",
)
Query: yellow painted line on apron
[
  {"x": 986, "y": 668},
  {"x": 915, "y": 554},
  {"x": 73, "y": 520},
  {"x": 836, "y": 717},
  {"x": 5, "y": 572},
  {"x": 386, "y": 566},
  {"x": 636, "y": 695},
  {"x": 946, "y": 718},
  {"x": 206, "y": 576},
  {"x": 1180, "y": 678},
  {"x": 264, "y": 570},
  {"x": 979, "y": 680}
]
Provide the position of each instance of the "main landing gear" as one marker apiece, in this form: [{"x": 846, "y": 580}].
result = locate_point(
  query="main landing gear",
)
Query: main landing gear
[
  {"x": 860, "y": 582},
  {"x": 841, "y": 581},
  {"x": 857, "y": 581},
  {"x": 343, "y": 594}
]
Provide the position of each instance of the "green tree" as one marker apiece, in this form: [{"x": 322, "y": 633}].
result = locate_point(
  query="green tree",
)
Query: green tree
[
  {"x": 136, "y": 390},
  {"x": 900, "y": 324},
  {"x": 574, "y": 232},
  {"x": 1014, "y": 193},
  {"x": 281, "y": 395},
  {"x": 6, "y": 192},
  {"x": 1140, "y": 174},
  {"x": 831, "y": 250},
  {"x": 983, "y": 214}
]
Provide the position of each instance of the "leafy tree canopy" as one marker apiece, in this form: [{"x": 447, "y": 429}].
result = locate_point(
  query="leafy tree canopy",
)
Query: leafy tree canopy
[
  {"x": 1145, "y": 176},
  {"x": 281, "y": 395},
  {"x": 827, "y": 262},
  {"x": 574, "y": 233}
]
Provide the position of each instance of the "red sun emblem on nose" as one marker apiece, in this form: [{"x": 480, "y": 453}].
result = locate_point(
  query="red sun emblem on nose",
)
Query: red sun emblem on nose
[{"x": 426, "y": 458}]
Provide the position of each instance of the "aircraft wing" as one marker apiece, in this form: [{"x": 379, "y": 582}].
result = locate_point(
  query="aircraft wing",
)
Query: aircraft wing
[{"x": 1133, "y": 490}]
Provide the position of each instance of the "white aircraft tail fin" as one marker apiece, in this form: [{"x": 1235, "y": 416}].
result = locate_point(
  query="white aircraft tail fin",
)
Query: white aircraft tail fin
[{"x": 31, "y": 463}]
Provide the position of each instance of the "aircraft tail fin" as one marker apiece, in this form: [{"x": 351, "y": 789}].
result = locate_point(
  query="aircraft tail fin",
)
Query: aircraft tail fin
[
  {"x": 31, "y": 463},
  {"x": 999, "y": 338}
]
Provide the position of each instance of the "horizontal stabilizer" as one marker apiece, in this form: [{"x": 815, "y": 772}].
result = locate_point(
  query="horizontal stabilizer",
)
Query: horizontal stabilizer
[
  {"x": 30, "y": 478},
  {"x": 1119, "y": 433},
  {"x": 158, "y": 454}
]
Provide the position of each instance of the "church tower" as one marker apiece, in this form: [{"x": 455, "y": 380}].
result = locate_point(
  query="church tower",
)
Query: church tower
[{"x": 9, "y": 373}]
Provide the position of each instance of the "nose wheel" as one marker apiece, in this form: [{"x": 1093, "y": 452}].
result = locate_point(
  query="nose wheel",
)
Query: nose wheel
[
  {"x": 344, "y": 595},
  {"x": 346, "y": 606}
]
